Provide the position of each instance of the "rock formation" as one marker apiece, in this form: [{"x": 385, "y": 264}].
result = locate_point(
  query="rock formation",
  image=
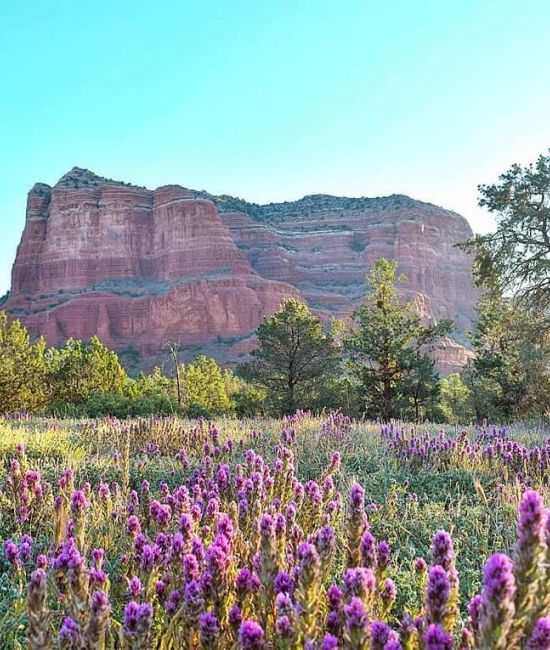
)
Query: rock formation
[{"x": 143, "y": 268}]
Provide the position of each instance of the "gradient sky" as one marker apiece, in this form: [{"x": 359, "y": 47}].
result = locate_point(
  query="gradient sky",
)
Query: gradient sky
[{"x": 272, "y": 100}]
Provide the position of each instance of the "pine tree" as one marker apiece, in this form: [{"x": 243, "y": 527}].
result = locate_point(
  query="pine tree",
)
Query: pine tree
[
  {"x": 387, "y": 347},
  {"x": 509, "y": 374},
  {"x": 294, "y": 352}
]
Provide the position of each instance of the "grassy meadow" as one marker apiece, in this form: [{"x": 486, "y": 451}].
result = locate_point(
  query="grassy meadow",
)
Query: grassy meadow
[{"x": 150, "y": 493}]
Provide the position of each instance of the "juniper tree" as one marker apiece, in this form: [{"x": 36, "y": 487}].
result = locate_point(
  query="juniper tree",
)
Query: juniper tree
[
  {"x": 516, "y": 256},
  {"x": 22, "y": 368}
]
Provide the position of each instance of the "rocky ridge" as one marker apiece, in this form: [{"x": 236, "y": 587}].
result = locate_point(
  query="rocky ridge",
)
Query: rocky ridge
[{"x": 145, "y": 267}]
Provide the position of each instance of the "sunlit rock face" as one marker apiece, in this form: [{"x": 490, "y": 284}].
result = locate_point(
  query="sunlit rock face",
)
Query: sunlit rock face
[{"x": 143, "y": 268}]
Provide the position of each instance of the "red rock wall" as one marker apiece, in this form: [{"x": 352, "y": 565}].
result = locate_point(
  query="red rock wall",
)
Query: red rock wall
[{"x": 142, "y": 268}]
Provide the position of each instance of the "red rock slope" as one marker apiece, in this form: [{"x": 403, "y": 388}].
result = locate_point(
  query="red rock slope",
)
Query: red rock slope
[{"x": 142, "y": 268}]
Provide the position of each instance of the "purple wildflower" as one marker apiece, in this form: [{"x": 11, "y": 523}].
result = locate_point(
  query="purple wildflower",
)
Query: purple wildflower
[
  {"x": 136, "y": 623},
  {"x": 379, "y": 635},
  {"x": 283, "y": 627},
  {"x": 235, "y": 616},
  {"x": 11, "y": 551},
  {"x": 251, "y": 636},
  {"x": 283, "y": 583},
  {"x": 69, "y": 632},
  {"x": 359, "y": 582},
  {"x": 209, "y": 629},
  {"x": 134, "y": 587},
  {"x": 435, "y": 638},
  {"x": 540, "y": 638},
  {"x": 330, "y": 642},
  {"x": 437, "y": 595},
  {"x": 356, "y": 618},
  {"x": 497, "y": 609}
]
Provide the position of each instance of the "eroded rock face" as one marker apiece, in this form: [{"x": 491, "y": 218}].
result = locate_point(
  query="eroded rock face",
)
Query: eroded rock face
[{"x": 143, "y": 268}]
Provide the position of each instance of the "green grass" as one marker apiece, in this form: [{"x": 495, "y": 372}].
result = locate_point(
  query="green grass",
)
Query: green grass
[{"x": 407, "y": 504}]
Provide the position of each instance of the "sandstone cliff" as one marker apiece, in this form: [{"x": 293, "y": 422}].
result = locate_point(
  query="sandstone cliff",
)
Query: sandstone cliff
[{"x": 142, "y": 268}]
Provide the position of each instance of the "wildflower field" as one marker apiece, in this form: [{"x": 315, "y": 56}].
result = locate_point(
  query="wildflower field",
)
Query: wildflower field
[{"x": 306, "y": 532}]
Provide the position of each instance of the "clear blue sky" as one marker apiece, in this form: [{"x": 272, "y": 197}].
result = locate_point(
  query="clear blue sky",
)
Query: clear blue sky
[{"x": 272, "y": 100}]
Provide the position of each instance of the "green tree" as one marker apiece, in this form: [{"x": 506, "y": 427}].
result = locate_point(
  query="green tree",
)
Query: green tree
[
  {"x": 509, "y": 375},
  {"x": 152, "y": 385},
  {"x": 248, "y": 399},
  {"x": 22, "y": 368},
  {"x": 294, "y": 352},
  {"x": 516, "y": 256},
  {"x": 421, "y": 386},
  {"x": 387, "y": 346},
  {"x": 455, "y": 399},
  {"x": 204, "y": 385},
  {"x": 80, "y": 369}
]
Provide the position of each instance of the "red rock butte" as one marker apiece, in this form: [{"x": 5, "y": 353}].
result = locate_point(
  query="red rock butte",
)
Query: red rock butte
[{"x": 144, "y": 268}]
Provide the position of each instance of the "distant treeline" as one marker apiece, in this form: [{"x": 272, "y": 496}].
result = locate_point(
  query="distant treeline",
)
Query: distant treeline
[{"x": 380, "y": 365}]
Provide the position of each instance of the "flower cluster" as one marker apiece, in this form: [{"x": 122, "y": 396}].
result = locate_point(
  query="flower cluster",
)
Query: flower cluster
[
  {"x": 489, "y": 448},
  {"x": 336, "y": 425},
  {"x": 245, "y": 555}
]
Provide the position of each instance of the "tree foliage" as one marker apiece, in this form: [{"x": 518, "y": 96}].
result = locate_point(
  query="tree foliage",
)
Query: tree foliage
[
  {"x": 455, "y": 400},
  {"x": 204, "y": 386},
  {"x": 516, "y": 256},
  {"x": 387, "y": 348},
  {"x": 509, "y": 375},
  {"x": 22, "y": 368},
  {"x": 293, "y": 353},
  {"x": 80, "y": 369}
]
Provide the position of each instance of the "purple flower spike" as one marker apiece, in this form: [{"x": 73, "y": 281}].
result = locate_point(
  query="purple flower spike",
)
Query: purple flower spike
[
  {"x": 474, "y": 607},
  {"x": 283, "y": 583},
  {"x": 393, "y": 644},
  {"x": 435, "y": 638},
  {"x": 133, "y": 527},
  {"x": 357, "y": 497},
  {"x": 367, "y": 549},
  {"x": 235, "y": 616},
  {"x": 78, "y": 502},
  {"x": 442, "y": 549},
  {"x": 383, "y": 551},
  {"x": 532, "y": 516},
  {"x": 137, "y": 621},
  {"x": 497, "y": 608},
  {"x": 437, "y": 594},
  {"x": 134, "y": 587},
  {"x": 334, "y": 596},
  {"x": 359, "y": 582},
  {"x": 251, "y": 636},
  {"x": 379, "y": 634},
  {"x": 69, "y": 632},
  {"x": 330, "y": 642},
  {"x": 209, "y": 629},
  {"x": 540, "y": 639},
  {"x": 498, "y": 579},
  {"x": 11, "y": 551},
  {"x": 100, "y": 603},
  {"x": 356, "y": 618},
  {"x": 283, "y": 626},
  {"x": 326, "y": 542}
]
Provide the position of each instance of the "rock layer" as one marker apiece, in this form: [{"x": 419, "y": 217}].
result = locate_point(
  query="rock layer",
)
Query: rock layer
[{"x": 143, "y": 268}]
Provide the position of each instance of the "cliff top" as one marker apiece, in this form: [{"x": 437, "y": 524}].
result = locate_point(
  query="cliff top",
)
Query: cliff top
[
  {"x": 305, "y": 207},
  {"x": 77, "y": 178},
  {"x": 313, "y": 204}
]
